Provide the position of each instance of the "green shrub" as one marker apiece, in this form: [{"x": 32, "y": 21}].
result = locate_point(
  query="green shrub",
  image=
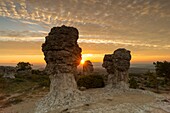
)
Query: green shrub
[
  {"x": 16, "y": 80},
  {"x": 24, "y": 66},
  {"x": 133, "y": 83},
  {"x": 37, "y": 72},
  {"x": 42, "y": 80},
  {"x": 91, "y": 81},
  {"x": 152, "y": 81},
  {"x": 23, "y": 83},
  {"x": 45, "y": 82}
]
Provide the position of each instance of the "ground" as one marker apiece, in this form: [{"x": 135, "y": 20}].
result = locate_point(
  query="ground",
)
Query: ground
[
  {"x": 9, "y": 104},
  {"x": 105, "y": 100}
]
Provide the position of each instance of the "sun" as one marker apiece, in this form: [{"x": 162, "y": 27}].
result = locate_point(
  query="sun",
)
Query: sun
[{"x": 82, "y": 61}]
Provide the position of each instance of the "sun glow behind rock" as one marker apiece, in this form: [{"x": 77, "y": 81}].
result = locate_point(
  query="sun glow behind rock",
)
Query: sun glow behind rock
[
  {"x": 86, "y": 57},
  {"x": 82, "y": 61}
]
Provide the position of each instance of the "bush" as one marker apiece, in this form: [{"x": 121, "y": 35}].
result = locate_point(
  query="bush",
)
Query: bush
[
  {"x": 42, "y": 80},
  {"x": 24, "y": 66},
  {"x": 133, "y": 83},
  {"x": 91, "y": 81},
  {"x": 38, "y": 72},
  {"x": 1, "y": 75},
  {"x": 152, "y": 81},
  {"x": 45, "y": 82},
  {"x": 23, "y": 83},
  {"x": 17, "y": 80},
  {"x": 162, "y": 69}
]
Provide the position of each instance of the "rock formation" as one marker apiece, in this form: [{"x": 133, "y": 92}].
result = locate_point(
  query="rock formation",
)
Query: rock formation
[
  {"x": 117, "y": 65},
  {"x": 7, "y": 71},
  {"x": 88, "y": 67},
  {"x": 62, "y": 55}
]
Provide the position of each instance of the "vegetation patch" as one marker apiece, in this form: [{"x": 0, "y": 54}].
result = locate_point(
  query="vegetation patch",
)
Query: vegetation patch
[
  {"x": 91, "y": 81},
  {"x": 133, "y": 83},
  {"x": 23, "y": 83}
]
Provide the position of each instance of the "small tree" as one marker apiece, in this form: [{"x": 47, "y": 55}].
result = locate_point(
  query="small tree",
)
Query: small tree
[
  {"x": 163, "y": 69},
  {"x": 133, "y": 83},
  {"x": 152, "y": 79},
  {"x": 24, "y": 66}
]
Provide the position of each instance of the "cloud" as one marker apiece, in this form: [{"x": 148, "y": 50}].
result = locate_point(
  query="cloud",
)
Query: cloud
[
  {"x": 35, "y": 38},
  {"x": 21, "y": 34},
  {"x": 82, "y": 12},
  {"x": 28, "y": 22},
  {"x": 121, "y": 42},
  {"x": 25, "y": 39},
  {"x": 134, "y": 23}
]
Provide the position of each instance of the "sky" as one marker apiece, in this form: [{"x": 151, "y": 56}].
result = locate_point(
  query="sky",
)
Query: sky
[{"x": 141, "y": 26}]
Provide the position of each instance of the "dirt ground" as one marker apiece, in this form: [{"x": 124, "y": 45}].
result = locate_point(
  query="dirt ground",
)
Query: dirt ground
[{"x": 28, "y": 103}]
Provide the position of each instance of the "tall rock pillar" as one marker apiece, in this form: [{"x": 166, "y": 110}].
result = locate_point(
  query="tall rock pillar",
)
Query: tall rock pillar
[{"x": 62, "y": 56}]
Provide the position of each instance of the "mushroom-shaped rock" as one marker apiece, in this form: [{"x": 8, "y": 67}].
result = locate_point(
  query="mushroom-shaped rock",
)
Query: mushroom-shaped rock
[
  {"x": 117, "y": 65},
  {"x": 62, "y": 55}
]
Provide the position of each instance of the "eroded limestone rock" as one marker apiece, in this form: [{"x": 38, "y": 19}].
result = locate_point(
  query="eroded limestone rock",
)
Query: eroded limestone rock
[
  {"x": 62, "y": 55},
  {"x": 88, "y": 67},
  {"x": 117, "y": 65}
]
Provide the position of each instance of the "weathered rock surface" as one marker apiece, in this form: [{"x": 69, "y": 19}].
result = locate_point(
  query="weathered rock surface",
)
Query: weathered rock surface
[
  {"x": 88, "y": 67},
  {"x": 106, "y": 100},
  {"x": 117, "y": 65},
  {"x": 62, "y": 55}
]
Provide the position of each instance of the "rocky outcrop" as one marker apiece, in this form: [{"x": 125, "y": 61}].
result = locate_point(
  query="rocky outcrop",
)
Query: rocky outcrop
[
  {"x": 62, "y": 55},
  {"x": 88, "y": 67},
  {"x": 8, "y": 71},
  {"x": 117, "y": 65}
]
